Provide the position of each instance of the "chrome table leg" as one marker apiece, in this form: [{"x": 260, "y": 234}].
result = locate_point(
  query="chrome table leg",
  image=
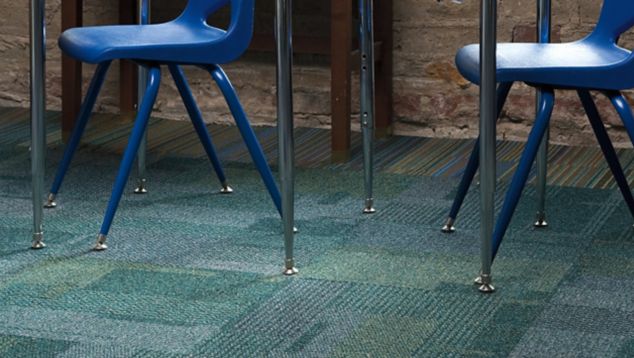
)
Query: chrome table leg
[
  {"x": 38, "y": 109},
  {"x": 284, "y": 51},
  {"x": 366, "y": 36}
]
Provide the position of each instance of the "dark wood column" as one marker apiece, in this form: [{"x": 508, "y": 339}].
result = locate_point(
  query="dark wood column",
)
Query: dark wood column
[
  {"x": 128, "y": 84},
  {"x": 383, "y": 14},
  {"x": 72, "y": 16},
  {"x": 341, "y": 30}
]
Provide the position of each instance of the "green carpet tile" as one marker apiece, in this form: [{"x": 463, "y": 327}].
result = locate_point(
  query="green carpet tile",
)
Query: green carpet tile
[{"x": 191, "y": 273}]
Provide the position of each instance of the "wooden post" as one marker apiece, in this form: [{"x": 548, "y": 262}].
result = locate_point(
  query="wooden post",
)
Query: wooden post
[
  {"x": 340, "y": 63},
  {"x": 129, "y": 71},
  {"x": 72, "y": 16},
  {"x": 383, "y": 14}
]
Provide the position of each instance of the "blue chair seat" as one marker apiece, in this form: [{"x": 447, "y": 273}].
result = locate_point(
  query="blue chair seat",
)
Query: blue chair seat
[
  {"x": 169, "y": 42},
  {"x": 581, "y": 64}
]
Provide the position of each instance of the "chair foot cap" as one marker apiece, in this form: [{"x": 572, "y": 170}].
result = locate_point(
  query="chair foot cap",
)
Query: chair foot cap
[
  {"x": 291, "y": 271},
  {"x": 100, "y": 245},
  {"x": 50, "y": 202},
  {"x": 141, "y": 187},
  {"x": 226, "y": 189},
  {"x": 487, "y": 288},
  {"x": 449, "y": 228}
]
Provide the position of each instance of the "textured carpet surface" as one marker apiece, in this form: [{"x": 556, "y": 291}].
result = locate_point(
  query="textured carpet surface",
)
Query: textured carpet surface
[{"x": 191, "y": 273}]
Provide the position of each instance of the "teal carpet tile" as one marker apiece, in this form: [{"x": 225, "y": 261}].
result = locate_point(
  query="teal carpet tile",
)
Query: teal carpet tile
[{"x": 191, "y": 273}]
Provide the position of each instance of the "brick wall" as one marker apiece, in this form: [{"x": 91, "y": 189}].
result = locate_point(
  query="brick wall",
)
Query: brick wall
[{"x": 430, "y": 97}]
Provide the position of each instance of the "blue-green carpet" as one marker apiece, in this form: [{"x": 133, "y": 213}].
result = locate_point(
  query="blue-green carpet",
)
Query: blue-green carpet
[{"x": 190, "y": 273}]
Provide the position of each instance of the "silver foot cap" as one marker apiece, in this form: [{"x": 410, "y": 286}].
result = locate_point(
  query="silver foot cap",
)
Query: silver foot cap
[
  {"x": 141, "y": 187},
  {"x": 369, "y": 207},
  {"x": 484, "y": 282},
  {"x": 50, "y": 202},
  {"x": 101, "y": 243},
  {"x": 488, "y": 288},
  {"x": 38, "y": 241},
  {"x": 449, "y": 228},
  {"x": 295, "y": 230},
  {"x": 541, "y": 222},
  {"x": 226, "y": 189},
  {"x": 478, "y": 281},
  {"x": 290, "y": 269}
]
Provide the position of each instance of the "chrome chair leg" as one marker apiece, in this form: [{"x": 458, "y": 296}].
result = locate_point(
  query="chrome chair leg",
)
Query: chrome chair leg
[
  {"x": 78, "y": 131},
  {"x": 199, "y": 125},
  {"x": 140, "y": 126},
  {"x": 526, "y": 162},
  {"x": 473, "y": 164}
]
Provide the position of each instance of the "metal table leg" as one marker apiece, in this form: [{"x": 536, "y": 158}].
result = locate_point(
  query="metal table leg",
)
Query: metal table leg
[
  {"x": 543, "y": 36},
  {"x": 144, "y": 18},
  {"x": 366, "y": 36},
  {"x": 488, "y": 40},
  {"x": 38, "y": 108},
  {"x": 283, "y": 34}
]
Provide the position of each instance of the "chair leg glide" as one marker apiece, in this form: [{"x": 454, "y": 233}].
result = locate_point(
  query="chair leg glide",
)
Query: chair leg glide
[
  {"x": 100, "y": 245},
  {"x": 50, "y": 202}
]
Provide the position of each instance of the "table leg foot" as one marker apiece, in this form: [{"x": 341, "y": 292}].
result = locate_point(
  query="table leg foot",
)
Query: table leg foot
[
  {"x": 141, "y": 187},
  {"x": 484, "y": 282},
  {"x": 369, "y": 207},
  {"x": 38, "y": 241},
  {"x": 290, "y": 269},
  {"x": 541, "y": 222}
]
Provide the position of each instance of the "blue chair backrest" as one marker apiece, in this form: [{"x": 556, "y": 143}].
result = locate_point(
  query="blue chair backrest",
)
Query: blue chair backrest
[
  {"x": 617, "y": 16},
  {"x": 240, "y": 29}
]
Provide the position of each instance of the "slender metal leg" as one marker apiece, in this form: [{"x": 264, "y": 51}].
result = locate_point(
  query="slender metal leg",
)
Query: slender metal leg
[
  {"x": 284, "y": 51},
  {"x": 523, "y": 169},
  {"x": 253, "y": 145},
  {"x": 199, "y": 125},
  {"x": 38, "y": 109},
  {"x": 542, "y": 177},
  {"x": 543, "y": 35},
  {"x": 366, "y": 36},
  {"x": 144, "y": 19},
  {"x": 625, "y": 112},
  {"x": 80, "y": 126},
  {"x": 488, "y": 40},
  {"x": 606, "y": 146},
  {"x": 140, "y": 126},
  {"x": 473, "y": 164}
]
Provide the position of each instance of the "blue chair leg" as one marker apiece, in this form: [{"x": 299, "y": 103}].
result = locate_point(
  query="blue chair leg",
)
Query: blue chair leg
[
  {"x": 199, "y": 125},
  {"x": 472, "y": 165},
  {"x": 608, "y": 149},
  {"x": 78, "y": 131},
  {"x": 247, "y": 133},
  {"x": 138, "y": 131},
  {"x": 540, "y": 126}
]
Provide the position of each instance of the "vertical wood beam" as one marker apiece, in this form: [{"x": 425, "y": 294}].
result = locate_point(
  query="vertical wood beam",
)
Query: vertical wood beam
[
  {"x": 128, "y": 94},
  {"x": 383, "y": 20},
  {"x": 72, "y": 16},
  {"x": 341, "y": 30}
]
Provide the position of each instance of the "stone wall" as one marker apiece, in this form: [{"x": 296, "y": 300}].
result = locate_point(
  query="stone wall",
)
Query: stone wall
[{"x": 430, "y": 97}]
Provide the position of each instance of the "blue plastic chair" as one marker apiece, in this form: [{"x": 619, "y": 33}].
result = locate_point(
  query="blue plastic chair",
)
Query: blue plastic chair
[
  {"x": 187, "y": 40},
  {"x": 595, "y": 63}
]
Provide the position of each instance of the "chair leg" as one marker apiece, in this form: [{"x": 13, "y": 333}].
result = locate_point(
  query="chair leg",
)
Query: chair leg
[
  {"x": 623, "y": 108},
  {"x": 199, "y": 125},
  {"x": 540, "y": 126},
  {"x": 82, "y": 120},
  {"x": 247, "y": 132},
  {"x": 473, "y": 164},
  {"x": 140, "y": 126}
]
